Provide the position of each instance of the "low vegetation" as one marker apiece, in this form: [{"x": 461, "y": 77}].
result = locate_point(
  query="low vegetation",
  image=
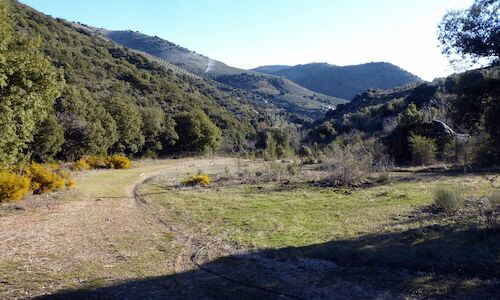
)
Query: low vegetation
[
  {"x": 40, "y": 179},
  {"x": 194, "y": 180},
  {"x": 383, "y": 234},
  {"x": 449, "y": 199},
  {"x": 13, "y": 187}
]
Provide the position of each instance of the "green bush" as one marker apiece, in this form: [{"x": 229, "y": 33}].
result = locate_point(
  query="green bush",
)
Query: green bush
[
  {"x": 423, "y": 149},
  {"x": 448, "y": 199},
  {"x": 194, "y": 180},
  {"x": 13, "y": 187},
  {"x": 305, "y": 151}
]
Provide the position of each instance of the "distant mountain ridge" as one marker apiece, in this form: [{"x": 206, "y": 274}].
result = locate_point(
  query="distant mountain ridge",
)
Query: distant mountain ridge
[
  {"x": 344, "y": 81},
  {"x": 278, "y": 90}
]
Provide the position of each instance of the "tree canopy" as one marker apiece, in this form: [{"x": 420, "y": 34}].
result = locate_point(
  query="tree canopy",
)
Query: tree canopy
[
  {"x": 29, "y": 85},
  {"x": 472, "y": 36}
]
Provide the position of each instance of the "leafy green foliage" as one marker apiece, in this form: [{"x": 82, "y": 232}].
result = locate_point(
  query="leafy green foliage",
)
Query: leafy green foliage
[
  {"x": 47, "y": 140},
  {"x": 275, "y": 143},
  {"x": 423, "y": 150},
  {"x": 471, "y": 35},
  {"x": 158, "y": 129},
  {"x": 114, "y": 100},
  {"x": 128, "y": 118},
  {"x": 88, "y": 127},
  {"x": 29, "y": 85},
  {"x": 196, "y": 132}
]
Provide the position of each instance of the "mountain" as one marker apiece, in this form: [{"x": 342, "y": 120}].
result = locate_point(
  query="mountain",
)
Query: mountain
[
  {"x": 344, "y": 81},
  {"x": 271, "y": 69},
  {"x": 279, "y": 91}
]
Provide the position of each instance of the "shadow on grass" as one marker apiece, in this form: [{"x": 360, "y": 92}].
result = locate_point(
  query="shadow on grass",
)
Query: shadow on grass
[{"x": 429, "y": 262}]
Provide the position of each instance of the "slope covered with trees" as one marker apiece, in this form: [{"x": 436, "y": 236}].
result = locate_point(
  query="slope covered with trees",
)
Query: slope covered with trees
[
  {"x": 67, "y": 93},
  {"x": 345, "y": 81}
]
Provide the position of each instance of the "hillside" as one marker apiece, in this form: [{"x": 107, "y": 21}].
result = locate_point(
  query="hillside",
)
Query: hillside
[
  {"x": 105, "y": 84},
  {"x": 344, "y": 81},
  {"x": 279, "y": 91}
]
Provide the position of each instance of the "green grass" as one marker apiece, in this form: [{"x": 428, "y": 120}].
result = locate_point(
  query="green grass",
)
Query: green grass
[
  {"x": 380, "y": 232},
  {"x": 270, "y": 216}
]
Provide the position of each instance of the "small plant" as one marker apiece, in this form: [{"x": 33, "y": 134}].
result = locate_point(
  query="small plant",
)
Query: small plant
[
  {"x": 423, "y": 150},
  {"x": 13, "y": 187},
  {"x": 118, "y": 162},
  {"x": 258, "y": 173},
  {"x": 292, "y": 168},
  {"x": 448, "y": 199},
  {"x": 81, "y": 165},
  {"x": 201, "y": 180}
]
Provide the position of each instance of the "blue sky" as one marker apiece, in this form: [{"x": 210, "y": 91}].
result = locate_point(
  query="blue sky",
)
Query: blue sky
[{"x": 249, "y": 33}]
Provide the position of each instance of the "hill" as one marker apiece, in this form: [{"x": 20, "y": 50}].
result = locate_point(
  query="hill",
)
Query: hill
[
  {"x": 446, "y": 105},
  {"x": 115, "y": 100},
  {"x": 279, "y": 91},
  {"x": 271, "y": 69},
  {"x": 344, "y": 81}
]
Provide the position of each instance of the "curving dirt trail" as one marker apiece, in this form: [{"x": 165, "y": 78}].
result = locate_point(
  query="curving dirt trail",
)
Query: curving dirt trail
[{"x": 104, "y": 241}]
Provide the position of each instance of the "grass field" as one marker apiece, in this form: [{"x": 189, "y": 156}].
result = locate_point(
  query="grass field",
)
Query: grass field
[
  {"x": 379, "y": 241},
  {"x": 381, "y": 234}
]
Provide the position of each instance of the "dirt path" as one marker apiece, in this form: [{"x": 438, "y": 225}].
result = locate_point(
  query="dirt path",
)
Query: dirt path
[{"x": 96, "y": 231}]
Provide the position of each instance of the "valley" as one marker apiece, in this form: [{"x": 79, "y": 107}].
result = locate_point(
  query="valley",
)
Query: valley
[{"x": 132, "y": 167}]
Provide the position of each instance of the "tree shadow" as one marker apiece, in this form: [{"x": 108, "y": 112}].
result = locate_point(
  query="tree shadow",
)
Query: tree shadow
[{"x": 428, "y": 262}]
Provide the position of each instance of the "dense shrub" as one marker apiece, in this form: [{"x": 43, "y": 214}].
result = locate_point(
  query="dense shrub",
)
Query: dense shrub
[
  {"x": 81, "y": 165},
  {"x": 349, "y": 164},
  {"x": 96, "y": 162},
  {"x": 43, "y": 179},
  {"x": 118, "y": 162},
  {"x": 423, "y": 149},
  {"x": 194, "y": 180},
  {"x": 448, "y": 199},
  {"x": 103, "y": 162},
  {"x": 305, "y": 151},
  {"x": 13, "y": 187}
]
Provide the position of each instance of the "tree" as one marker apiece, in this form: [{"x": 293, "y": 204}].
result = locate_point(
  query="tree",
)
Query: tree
[
  {"x": 158, "y": 130},
  {"x": 88, "y": 127},
  {"x": 29, "y": 84},
  {"x": 472, "y": 36},
  {"x": 129, "y": 124},
  {"x": 196, "y": 132},
  {"x": 47, "y": 140}
]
